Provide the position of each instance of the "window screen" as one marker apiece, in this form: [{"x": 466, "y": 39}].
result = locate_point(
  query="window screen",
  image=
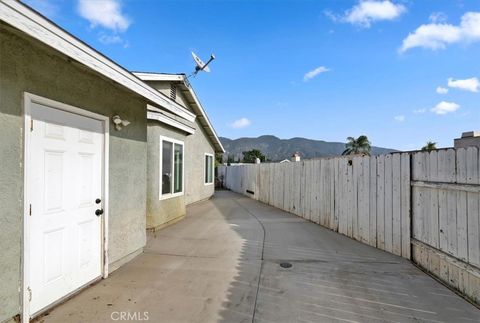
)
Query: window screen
[
  {"x": 178, "y": 160},
  {"x": 167, "y": 167},
  {"x": 208, "y": 169},
  {"x": 171, "y": 167}
]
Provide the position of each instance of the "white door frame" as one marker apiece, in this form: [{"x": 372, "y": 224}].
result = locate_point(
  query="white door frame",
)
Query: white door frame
[{"x": 30, "y": 98}]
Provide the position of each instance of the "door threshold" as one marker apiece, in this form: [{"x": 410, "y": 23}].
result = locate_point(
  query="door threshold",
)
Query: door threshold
[{"x": 44, "y": 311}]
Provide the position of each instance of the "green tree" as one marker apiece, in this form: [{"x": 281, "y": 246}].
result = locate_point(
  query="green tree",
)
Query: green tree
[
  {"x": 218, "y": 159},
  {"x": 355, "y": 146},
  {"x": 429, "y": 146},
  {"x": 230, "y": 160},
  {"x": 251, "y": 155}
]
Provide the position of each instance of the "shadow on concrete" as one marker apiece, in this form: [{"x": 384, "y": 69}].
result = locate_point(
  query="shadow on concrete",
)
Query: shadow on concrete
[
  {"x": 209, "y": 268},
  {"x": 331, "y": 278}
]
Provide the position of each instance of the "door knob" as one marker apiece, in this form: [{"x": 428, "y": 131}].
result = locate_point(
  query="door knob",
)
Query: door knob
[
  {"x": 99, "y": 212},
  {"x": 98, "y": 201}
]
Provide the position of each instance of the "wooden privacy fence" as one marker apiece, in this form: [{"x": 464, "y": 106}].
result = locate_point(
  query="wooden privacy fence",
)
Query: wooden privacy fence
[
  {"x": 365, "y": 198},
  {"x": 424, "y": 202},
  {"x": 446, "y": 197}
]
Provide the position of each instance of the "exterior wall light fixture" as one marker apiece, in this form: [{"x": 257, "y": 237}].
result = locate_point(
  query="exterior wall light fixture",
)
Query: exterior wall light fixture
[{"x": 119, "y": 123}]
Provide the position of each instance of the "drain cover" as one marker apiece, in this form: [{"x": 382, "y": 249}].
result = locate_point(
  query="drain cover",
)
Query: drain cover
[{"x": 286, "y": 265}]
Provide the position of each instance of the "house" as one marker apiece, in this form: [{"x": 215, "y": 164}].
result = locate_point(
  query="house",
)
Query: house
[
  {"x": 296, "y": 157},
  {"x": 183, "y": 149},
  {"x": 75, "y": 186},
  {"x": 468, "y": 139}
]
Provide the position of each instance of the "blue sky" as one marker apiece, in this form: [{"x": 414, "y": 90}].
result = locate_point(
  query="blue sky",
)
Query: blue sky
[{"x": 317, "y": 69}]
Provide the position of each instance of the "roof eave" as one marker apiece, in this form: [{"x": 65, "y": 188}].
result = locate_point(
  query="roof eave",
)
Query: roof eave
[
  {"x": 152, "y": 114},
  {"x": 35, "y": 25},
  {"x": 204, "y": 117},
  {"x": 146, "y": 76}
]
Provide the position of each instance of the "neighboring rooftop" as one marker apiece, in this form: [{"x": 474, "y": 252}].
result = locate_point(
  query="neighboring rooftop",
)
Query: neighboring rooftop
[{"x": 468, "y": 139}]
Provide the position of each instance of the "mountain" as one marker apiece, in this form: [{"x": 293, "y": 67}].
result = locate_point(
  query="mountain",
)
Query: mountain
[{"x": 276, "y": 149}]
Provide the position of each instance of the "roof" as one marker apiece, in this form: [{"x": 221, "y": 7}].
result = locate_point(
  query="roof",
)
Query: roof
[
  {"x": 37, "y": 26},
  {"x": 192, "y": 100}
]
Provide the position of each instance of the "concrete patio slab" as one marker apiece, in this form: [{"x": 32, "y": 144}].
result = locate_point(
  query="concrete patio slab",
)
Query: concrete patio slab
[{"x": 207, "y": 268}]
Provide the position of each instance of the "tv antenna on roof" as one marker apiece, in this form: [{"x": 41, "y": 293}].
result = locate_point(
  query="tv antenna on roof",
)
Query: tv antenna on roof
[{"x": 200, "y": 65}]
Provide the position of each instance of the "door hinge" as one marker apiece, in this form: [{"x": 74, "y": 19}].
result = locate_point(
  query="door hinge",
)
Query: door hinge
[
  {"x": 30, "y": 210},
  {"x": 29, "y": 294},
  {"x": 31, "y": 124}
]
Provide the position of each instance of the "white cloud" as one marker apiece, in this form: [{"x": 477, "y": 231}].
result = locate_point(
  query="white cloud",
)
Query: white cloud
[
  {"x": 432, "y": 36},
  {"x": 445, "y": 107},
  {"x": 313, "y": 73},
  {"x": 107, "y": 39},
  {"x": 110, "y": 39},
  {"x": 438, "y": 35},
  {"x": 437, "y": 17},
  {"x": 441, "y": 90},
  {"x": 471, "y": 84},
  {"x": 399, "y": 118},
  {"x": 240, "y": 123},
  {"x": 105, "y": 13},
  {"x": 368, "y": 11},
  {"x": 419, "y": 111},
  {"x": 331, "y": 15}
]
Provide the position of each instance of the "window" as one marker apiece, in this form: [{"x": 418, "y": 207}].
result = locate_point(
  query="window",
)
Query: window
[
  {"x": 171, "y": 167},
  {"x": 208, "y": 169}
]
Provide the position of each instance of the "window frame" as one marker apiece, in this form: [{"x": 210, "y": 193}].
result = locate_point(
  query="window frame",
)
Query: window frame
[
  {"x": 205, "y": 168},
  {"x": 173, "y": 142}
]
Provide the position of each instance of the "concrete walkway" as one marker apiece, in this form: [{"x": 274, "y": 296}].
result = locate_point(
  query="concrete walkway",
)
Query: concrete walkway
[{"x": 206, "y": 269}]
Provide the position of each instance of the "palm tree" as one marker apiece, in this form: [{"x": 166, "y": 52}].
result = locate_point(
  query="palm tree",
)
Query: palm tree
[
  {"x": 429, "y": 146},
  {"x": 361, "y": 145}
]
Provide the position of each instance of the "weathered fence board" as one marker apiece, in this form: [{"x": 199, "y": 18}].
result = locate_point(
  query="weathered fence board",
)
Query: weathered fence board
[
  {"x": 405, "y": 204},
  {"x": 373, "y": 203},
  {"x": 433, "y": 236},
  {"x": 381, "y": 202},
  {"x": 396, "y": 199},
  {"x": 340, "y": 197},
  {"x": 354, "y": 197},
  {"x": 388, "y": 212},
  {"x": 462, "y": 246},
  {"x": 473, "y": 206}
]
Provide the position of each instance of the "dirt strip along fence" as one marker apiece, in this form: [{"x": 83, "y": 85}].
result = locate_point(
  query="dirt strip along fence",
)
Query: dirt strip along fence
[{"x": 423, "y": 206}]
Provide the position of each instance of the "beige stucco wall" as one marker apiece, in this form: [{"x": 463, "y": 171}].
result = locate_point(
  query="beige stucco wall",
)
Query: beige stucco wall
[
  {"x": 26, "y": 65},
  {"x": 160, "y": 212},
  {"x": 196, "y": 147}
]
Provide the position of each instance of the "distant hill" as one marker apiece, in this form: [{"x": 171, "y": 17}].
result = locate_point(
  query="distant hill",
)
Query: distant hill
[{"x": 276, "y": 149}]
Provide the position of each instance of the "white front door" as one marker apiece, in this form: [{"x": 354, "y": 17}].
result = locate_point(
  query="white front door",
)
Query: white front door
[{"x": 64, "y": 179}]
